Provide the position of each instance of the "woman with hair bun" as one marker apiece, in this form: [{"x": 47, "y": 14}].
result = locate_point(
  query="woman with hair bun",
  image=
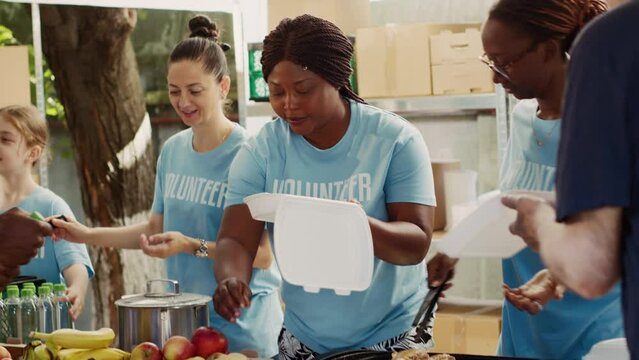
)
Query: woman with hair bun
[
  {"x": 190, "y": 189},
  {"x": 326, "y": 137},
  {"x": 527, "y": 44}
]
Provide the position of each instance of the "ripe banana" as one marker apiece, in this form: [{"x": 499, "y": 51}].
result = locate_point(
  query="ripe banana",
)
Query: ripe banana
[
  {"x": 78, "y": 339},
  {"x": 94, "y": 354}
]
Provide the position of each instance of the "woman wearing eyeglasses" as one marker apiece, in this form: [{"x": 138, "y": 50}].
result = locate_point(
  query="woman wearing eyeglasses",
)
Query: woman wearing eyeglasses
[{"x": 526, "y": 44}]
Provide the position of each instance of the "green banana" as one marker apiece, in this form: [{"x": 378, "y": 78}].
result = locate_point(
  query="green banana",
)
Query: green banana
[
  {"x": 78, "y": 339},
  {"x": 42, "y": 353}
]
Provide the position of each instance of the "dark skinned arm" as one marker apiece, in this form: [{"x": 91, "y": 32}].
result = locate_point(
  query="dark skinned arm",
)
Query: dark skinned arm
[{"x": 405, "y": 238}]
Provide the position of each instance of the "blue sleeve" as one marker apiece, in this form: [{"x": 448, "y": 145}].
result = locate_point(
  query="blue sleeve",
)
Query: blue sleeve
[
  {"x": 410, "y": 175},
  {"x": 158, "y": 195},
  {"x": 68, "y": 253},
  {"x": 594, "y": 162},
  {"x": 247, "y": 175}
]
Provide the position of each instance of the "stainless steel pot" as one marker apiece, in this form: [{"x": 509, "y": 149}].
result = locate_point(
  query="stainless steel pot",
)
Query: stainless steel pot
[{"x": 156, "y": 316}]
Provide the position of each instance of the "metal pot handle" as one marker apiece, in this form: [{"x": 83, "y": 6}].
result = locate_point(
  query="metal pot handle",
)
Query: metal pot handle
[{"x": 176, "y": 288}]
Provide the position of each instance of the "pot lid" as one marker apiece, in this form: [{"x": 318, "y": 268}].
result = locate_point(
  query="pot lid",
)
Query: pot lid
[{"x": 174, "y": 299}]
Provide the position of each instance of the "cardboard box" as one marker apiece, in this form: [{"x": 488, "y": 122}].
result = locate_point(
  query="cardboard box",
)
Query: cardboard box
[
  {"x": 439, "y": 168},
  {"x": 373, "y": 74},
  {"x": 394, "y": 60},
  {"x": 467, "y": 330},
  {"x": 455, "y": 48},
  {"x": 14, "y": 72},
  {"x": 348, "y": 15},
  {"x": 469, "y": 78}
]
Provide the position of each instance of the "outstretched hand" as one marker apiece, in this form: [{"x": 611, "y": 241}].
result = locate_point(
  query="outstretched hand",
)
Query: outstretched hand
[
  {"x": 534, "y": 294},
  {"x": 69, "y": 229},
  {"x": 165, "y": 244}
]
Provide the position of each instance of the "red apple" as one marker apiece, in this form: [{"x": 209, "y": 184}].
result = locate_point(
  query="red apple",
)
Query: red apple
[
  {"x": 146, "y": 351},
  {"x": 208, "y": 340},
  {"x": 178, "y": 348},
  {"x": 4, "y": 353}
]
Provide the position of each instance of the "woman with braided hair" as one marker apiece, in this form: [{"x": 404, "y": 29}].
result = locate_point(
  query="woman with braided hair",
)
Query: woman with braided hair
[
  {"x": 526, "y": 44},
  {"x": 326, "y": 138},
  {"x": 190, "y": 187}
]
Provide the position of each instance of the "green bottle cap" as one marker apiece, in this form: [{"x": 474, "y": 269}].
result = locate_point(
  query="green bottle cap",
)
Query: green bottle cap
[
  {"x": 37, "y": 216},
  {"x": 26, "y": 293},
  {"x": 12, "y": 292},
  {"x": 59, "y": 287},
  {"x": 49, "y": 284},
  {"x": 44, "y": 291},
  {"x": 28, "y": 285}
]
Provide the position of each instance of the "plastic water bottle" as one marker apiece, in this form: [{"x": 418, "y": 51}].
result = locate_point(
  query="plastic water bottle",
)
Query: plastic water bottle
[
  {"x": 62, "y": 319},
  {"x": 51, "y": 293},
  {"x": 45, "y": 310},
  {"x": 29, "y": 313},
  {"x": 32, "y": 286},
  {"x": 13, "y": 313},
  {"x": 3, "y": 321}
]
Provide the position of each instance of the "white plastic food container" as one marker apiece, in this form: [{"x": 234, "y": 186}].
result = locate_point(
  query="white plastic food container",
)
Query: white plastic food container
[
  {"x": 613, "y": 349},
  {"x": 485, "y": 231},
  {"x": 318, "y": 243}
]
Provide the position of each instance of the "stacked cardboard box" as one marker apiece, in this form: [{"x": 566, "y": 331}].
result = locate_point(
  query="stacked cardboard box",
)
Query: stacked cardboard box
[
  {"x": 456, "y": 68},
  {"x": 467, "y": 329},
  {"x": 348, "y": 15},
  {"x": 395, "y": 60}
]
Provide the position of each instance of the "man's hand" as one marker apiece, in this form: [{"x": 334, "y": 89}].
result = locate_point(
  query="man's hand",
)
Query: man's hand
[
  {"x": 22, "y": 237},
  {"x": 533, "y": 295},
  {"x": 531, "y": 212}
]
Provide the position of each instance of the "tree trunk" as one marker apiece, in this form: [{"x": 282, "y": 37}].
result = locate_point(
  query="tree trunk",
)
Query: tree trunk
[{"x": 97, "y": 79}]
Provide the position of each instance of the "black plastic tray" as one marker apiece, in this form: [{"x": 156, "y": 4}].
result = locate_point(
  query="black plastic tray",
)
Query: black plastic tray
[{"x": 386, "y": 355}]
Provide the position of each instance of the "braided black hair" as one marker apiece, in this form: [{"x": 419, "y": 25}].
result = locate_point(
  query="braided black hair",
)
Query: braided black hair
[
  {"x": 548, "y": 19},
  {"x": 315, "y": 44},
  {"x": 203, "y": 45}
]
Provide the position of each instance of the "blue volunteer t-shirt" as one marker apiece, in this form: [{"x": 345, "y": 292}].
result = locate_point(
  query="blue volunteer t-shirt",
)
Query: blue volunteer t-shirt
[
  {"x": 568, "y": 328},
  {"x": 380, "y": 159},
  {"x": 598, "y": 163},
  {"x": 55, "y": 256},
  {"x": 190, "y": 190}
]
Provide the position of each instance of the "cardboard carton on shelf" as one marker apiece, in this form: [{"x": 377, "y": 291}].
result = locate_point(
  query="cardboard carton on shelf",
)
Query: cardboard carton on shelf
[
  {"x": 468, "y": 78},
  {"x": 439, "y": 168},
  {"x": 348, "y": 15},
  {"x": 394, "y": 60},
  {"x": 449, "y": 47}
]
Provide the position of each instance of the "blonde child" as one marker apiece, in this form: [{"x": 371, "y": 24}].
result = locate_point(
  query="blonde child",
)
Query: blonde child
[{"x": 23, "y": 137}]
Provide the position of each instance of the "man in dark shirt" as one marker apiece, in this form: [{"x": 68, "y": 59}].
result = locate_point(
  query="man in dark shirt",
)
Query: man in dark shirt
[
  {"x": 20, "y": 239},
  {"x": 595, "y": 240}
]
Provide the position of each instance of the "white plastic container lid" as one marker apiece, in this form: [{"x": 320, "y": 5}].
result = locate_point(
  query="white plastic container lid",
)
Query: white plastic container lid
[
  {"x": 613, "y": 349},
  {"x": 319, "y": 243},
  {"x": 485, "y": 231}
]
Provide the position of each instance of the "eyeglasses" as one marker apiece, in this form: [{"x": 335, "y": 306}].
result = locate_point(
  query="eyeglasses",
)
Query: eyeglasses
[{"x": 502, "y": 70}]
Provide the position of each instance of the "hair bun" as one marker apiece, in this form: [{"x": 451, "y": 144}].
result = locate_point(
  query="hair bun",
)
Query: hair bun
[{"x": 202, "y": 26}]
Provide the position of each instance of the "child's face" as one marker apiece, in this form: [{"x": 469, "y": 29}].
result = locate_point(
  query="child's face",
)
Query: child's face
[{"x": 15, "y": 156}]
